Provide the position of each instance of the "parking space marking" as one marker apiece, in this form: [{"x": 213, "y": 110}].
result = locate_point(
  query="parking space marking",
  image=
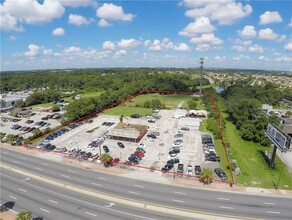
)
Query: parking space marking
[
  {"x": 45, "y": 210},
  {"x": 96, "y": 184},
  {"x": 13, "y": 197},
  {"x": 22, "y": 190},
  {"x": 271, "y": 212},
  {"x": 101, "y": 178},
  {"x": 134, "y": 192},
  {"x": 37, "y": 168},
  {"x": 181, "y": 193},
  {"x": 45, "y": 164},
  {"x": 175, "y": 200},
  {"x": 16, "y": 161},
  {"x": 65, "y": 176},
  {"x": 139, "y": 186},
  {"x": 89, "y": 213},
  {"x": 72, "y": 171},
  {"x": 223, "y": 198},
  {"x": 225, "y": 207},
  {"x": 53, "y": 201},
  {"x": 269, "y": 203}
]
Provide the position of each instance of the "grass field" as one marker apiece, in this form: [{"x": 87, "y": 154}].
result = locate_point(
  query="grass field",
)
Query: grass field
[
  {"x": 128, "y": 111},
  {"x": 90, "y": 94}
]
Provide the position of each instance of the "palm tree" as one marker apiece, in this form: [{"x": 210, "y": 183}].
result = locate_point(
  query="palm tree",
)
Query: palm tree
[
  {"x": 121, "y": 118},
  {"x": 106, "y": 159},
  {"x": 24, "y": 215},
  {"x": 207, "y": 175}
]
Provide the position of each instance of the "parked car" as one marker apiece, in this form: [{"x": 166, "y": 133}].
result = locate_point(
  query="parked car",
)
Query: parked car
[
  {"x": 212, "y": 157},
  {"x": 180, "y": 168},
  {"x": 220, "y": 173},
  {"x": 189, "y": 170},
  {"x": 198, "y": 170},
  {"x": 121, "y": 145},
  {"x": 178, "y": 135},
  {"x": 149, "y": 139},
  {"x": 135, "y": 156},
  {"x": 141, "y": 145},
  {"x": 173, "y": 156},
  {"x": 174, "y": 160},
  {"x": 185, "y": 129},
  {"x": 141, "y": 150},
  {"x": 152, "y": 135},
  {"x": 174, "y": 151},
  {"x": 105, "y": 148},
  {"x": 167, "y": 167},
  {"x": 139, "y": 153}
]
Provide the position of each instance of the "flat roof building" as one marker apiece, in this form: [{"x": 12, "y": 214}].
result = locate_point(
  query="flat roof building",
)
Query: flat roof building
[
  {"x": 191, "y": 123},
  {"x": 128, "y": 132}
]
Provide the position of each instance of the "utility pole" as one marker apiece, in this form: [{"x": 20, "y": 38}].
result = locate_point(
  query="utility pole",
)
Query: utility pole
[{"x": 201, "y": 72}]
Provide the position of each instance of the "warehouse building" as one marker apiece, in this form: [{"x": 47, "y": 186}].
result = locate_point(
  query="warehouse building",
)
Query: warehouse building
[{"x": 128, "y": 132}]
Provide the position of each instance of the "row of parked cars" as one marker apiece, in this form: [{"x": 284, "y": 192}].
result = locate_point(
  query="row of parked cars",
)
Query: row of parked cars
[
  {"x": 137, "y": 155},
  {"x": 7, "y": 119},
  {"x": 209, "y": 148},
  {"x": 152, "y": 136}
]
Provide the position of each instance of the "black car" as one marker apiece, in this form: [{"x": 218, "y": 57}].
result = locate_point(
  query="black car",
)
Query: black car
[
  {"x": 105, "y": 148},
  {"x": 180, "y": 168},
  {"x": 167, "y": 167},
  {"x": 136, "y": 157},
  {"x": 198, "y": 170},
  {"x": 121, "y": 145},
  {"x": 220, "y": 173},
  {"x": 212, "y": 157},
  {"x": 141, "y": 150},
  {"x": 45, "y": 118},
  {"x": 152, "y": 136},
  {"x": 174, "y": 161},
  {"x": 185, "y": 129},
  {"x": 174, "y": 151}
]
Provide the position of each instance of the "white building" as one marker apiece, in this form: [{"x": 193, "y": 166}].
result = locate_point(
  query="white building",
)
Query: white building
[
  {"x": 8, "y": 100},
  {"x": 191, "y": 123},
  {"x": 180, "y": 113}
]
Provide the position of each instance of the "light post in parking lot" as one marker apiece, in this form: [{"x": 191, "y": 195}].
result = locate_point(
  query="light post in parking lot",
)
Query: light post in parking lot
[{"x": 77, "y": 149}]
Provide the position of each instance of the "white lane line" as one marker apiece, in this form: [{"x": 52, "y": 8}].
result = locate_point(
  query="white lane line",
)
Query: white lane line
[
  {"x": 174, "y": 200},
  {"x": 65, "y": 176},
  {"x": 269, "y": 203},
  {"x": 13, "y": 197},
  {"x": 101, "y": 178},
  {"x": 223, "y": 198},
  {"x": 45, "y": 164},
  {"x": 22, "y": 190},
  {"x": 139, "y": 186},
  {"x": 181, "y": 193},
  {"x": 134, "y": 192},
  {"x": 16, "y": 161},
  {"x": 225, "y": 207},
  {"x": 96, "y": 184},
  {"x": 72, "y": 171},
  {"x": 273, "y": 212},
  {"x": 37, "y": 168},
  {"x": 89, "y": 213},
  {"x": 45, "y": 210},
  {"x": 24, "y": 158},
  {"x": 53, "y": 201}
]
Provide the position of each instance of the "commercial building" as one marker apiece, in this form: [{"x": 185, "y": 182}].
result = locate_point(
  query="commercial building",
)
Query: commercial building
[
  {"x": 8, "y": 100},
  {"x": 191, "y": 123},
  {"x": 128, "y": 132},
  {"x": 180, "y": 113}
]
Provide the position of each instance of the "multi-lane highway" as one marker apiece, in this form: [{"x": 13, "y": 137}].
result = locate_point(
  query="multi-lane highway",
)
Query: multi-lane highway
[{"x": 210, "y": 202}]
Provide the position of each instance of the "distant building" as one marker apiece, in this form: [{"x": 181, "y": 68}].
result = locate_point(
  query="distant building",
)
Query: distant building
[
  {"x": 8, "y": 100},
  {"x": 180, "y": 113},
  {"x": 128, "y": 132},
  {"x": 191, "y": 123},
  {"x": 197, "y": 113},
  {"x": 21, "y": 112}
]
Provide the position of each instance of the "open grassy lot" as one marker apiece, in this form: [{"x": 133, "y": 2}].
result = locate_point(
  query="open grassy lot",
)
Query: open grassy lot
[
  {"x": 128, "y": 111},
  {"x": 91, "y": 94}
]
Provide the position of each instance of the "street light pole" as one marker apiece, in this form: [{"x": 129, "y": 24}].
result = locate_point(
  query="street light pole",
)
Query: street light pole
[{"x": 279, "y": 178}]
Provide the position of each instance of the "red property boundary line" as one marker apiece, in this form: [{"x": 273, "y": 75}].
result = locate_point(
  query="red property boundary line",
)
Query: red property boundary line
[{"x": 210, "y": 95}]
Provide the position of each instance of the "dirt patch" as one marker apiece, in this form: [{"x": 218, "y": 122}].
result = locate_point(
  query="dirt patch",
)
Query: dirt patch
[{"x": 9, "y": 215}]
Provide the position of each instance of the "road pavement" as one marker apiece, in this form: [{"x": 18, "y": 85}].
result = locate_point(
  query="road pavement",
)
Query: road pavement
[{"x": 197, "y": 200}]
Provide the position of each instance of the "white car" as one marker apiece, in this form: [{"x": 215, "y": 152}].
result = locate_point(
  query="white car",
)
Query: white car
[
  {"x": 173, "y": 156},
  {"x": 143, "y": 146},
  {"x": 89, "y": 147},
  {"x": 177, "y": 144},
  {"x": 149, "y": 139},
  {"x": 180, "y": 132}
]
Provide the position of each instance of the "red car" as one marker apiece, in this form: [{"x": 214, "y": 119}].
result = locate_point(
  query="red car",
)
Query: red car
[{"x": 139, "y": 153}]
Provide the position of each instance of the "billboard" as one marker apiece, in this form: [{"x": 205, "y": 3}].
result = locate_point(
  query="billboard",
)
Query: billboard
[{"x": 277, "y": 137}]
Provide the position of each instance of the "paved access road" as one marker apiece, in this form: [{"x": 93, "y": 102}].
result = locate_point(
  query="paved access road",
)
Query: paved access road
[{"x": 197, "y": 200}]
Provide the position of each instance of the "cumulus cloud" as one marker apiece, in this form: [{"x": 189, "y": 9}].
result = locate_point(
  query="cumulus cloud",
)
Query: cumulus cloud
[
  {"x": 288, "y": 46},
  {"x": 181, "y": 47},
  {"x": 128, "y": 43},
  {"x": 263, "y": 58},
  {"x": 270, "y": 17},
  {"x": 220, "y": 58},
  {"x": 203, "y": 47},
  {"x": 255, "y": 48},
  {"x": 120, "y": 53},
  {"x": 201, "y": 25},
  {"x": 77, "y": 3},
  {"x": 284, "y": 59},
  {"x": 110, "y": 11},
  {"x": 48, "y": 52},
  {"x": 103, "y": 23},
  {"x": 33, "y": 51},
  {"x": 72, "y": 50},
  {"x": 268, "y": 34},
  {"x": 239, "y": 48},
  {"x": 78, "y": 20},
  {"x": 247, "y": 32},
  {"x": 207, "y": 38},
  {"x": 108, "y": 45},
  {"x": 58, "y": 31},
  {"x": 225, "y": 12},
  {"x": 236, "y": 58},
  {"x": 165, "y": 44}
]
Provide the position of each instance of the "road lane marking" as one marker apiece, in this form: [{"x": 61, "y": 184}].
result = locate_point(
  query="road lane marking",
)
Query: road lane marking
[
  {"x": 53, "y": 201},
  {"x": 45, "y": 164},
  {"x": 13, "y": 197},
  {"x": 22, "y": 190},
  {"x": 89, "y": 213},
  {"x": 37, "y": 168},
  {"x": 134, "y": 192},
  {"x": 101, "y": 178},
  {"x": 269, "y": 203},
  {"x": 45, "y": 210},
  {"x": 223, "y": 198},
  {"x": 273, "y": 212},
  {"x": 65, "y": 176},
  {"x": 96, "y": 184},
  {"x": 181, "y": 193},
  {"x": 72, "y": 171},
  {"x": 16, "y": 161},
  {"x": 225, "y": 207},
  {"x": 139, "y": 186},
  {"x": 174, "y": 200}
]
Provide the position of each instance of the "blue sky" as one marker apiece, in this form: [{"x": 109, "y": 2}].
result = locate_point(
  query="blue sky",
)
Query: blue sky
[{"x": 88, "y": 34}]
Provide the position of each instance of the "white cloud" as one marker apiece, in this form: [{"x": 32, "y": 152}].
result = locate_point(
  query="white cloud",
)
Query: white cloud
[
  {"x": 108, "y": 45},
  {"x": 268, "y": 34},
  {"x": 165, "y": 44},
  {"x": 120, "y": 53},
  {"x": 13, "y": 13},
  {"x": 78, "y": 20},
  {"x": 77, "y": 3},
  {"x": 270, "y": 17},
  {"x": 58, "y": 32},
  {"x": 103, "y": 23},
  {"x": 128, "y": 43},
  {"x": 238, "y": 48},
  {"x": 48, "y": 52},
  {"x": 290, "y": 25},
  {"x": 201, "y": 25},
  {"x": 217, "y": 10},
  {"x": 236, "y": 58},
  {"x": 255, "y": 48},
  {"x": 113, "y": 12},
  {"x": 220, "y": 58},
  {"x": 72, "y": 50},
  {"x": 240, "y": 45},
  {"x": 284, "y": 59},
  {"x": 12, "y": 38},
  {"x": 182, "y": 47},
  {"x": 34, "y": 50},
  {"x": 263, "y": 58},
  {"x": 203, "y": 47},
  {"x": 248, "y": 32},
  {"x": 288, "y": 46},
  {"x": 207, "y": 38}
]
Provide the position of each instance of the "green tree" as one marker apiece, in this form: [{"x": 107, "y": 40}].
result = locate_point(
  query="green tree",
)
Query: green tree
[
  {"x": 147, "y": 104},
  {"x": 207, "y": 175},
  {"x": 23, "y": 215},
  {"x": 156, "y": 103},
  {"x": 55, "y": 108},
  {"x": 288, "y": 114},
  {"x": 106, "y": 159},
  {"x": 19, "y": 104},
  {"x": 192, "y": 104}
]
